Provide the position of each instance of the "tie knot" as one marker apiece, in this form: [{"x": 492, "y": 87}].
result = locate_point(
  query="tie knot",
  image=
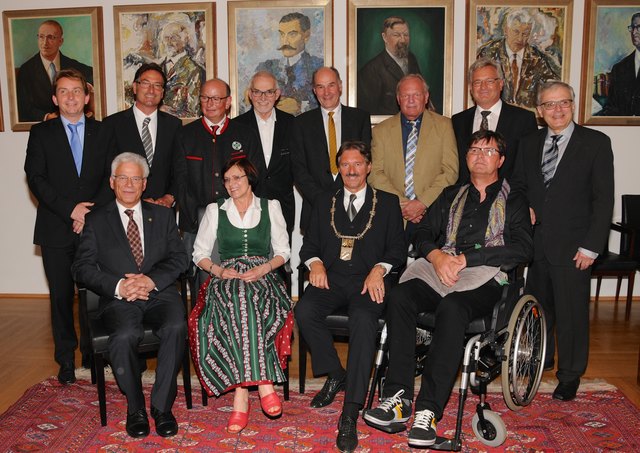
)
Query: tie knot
[
  {"x": 352, "y": 197},
  {"x": 330, "y": 114},
  {"x": 73, "y": 128},
  {"x": 555, "y": 138},
  {"x": 146, "y": 121},
  {"x": 485, "y": 113},
  {"x": 129, "y": 213}
]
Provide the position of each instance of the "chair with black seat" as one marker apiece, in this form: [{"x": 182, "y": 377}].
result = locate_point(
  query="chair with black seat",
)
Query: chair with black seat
[
  {"x": 337, "y": 322},
  {"x": 148, "y": 347},
  {"x": 627, "y": 261}
]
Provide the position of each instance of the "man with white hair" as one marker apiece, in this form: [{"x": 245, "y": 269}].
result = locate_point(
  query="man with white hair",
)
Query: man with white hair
[{"x": 524, "y": 66}]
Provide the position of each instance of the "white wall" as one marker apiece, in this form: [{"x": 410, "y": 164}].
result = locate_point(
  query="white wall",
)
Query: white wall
[{"x": 21, "y": 267}]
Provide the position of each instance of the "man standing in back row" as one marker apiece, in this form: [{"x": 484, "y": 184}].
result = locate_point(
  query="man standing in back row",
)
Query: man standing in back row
[{"x": 567, "y": 173}]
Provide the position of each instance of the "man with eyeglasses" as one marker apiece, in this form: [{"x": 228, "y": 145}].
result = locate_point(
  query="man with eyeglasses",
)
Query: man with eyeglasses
[
  {"x": 130, "y": 254},
  {"x": 524, "y": 66},
  {"x": 378, "y": 78},
  {"x": 150, "y": 132},
  {"x": 414, "y": 151},
  {"x": 492, "y": 113},
  {"x": 274, "y": 128},
  {"x": 317, "y": 136},
  {"x": 623, "y": 98},
  {"x": 566, "y": 171},
  {"x": 67, "y": 173},
  {"x": 36, "y": 75},
  {"x": 468, "y": 233}
]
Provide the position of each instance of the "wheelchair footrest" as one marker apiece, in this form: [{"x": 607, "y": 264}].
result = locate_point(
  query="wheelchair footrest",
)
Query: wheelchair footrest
[
  {"x": 392, "y": 428},
  {"x": 444, "y": 444}
]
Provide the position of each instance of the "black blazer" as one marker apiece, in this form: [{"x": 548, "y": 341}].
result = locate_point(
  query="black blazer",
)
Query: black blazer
[
  {"x": 104, "y": 255},
  {"x": 624, "y": 89},
  {"x": 34, "y": 86},
  {"x": 514, "y": 123},
  {"x": 384, "y": 242},
  {"x": 54, "y": 181},
  {"x": 277, "y": 183},
  {"x": 121, "y": 135},
  {"x": 575, "y": 210},
  {"x": 310, "y": 157}
]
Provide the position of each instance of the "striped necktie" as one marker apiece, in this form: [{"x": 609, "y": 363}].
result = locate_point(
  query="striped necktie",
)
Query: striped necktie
[
  {"x": 146, "y": 140},
  {"x": 351, "y": 209},
  {"x": 410, "y": 160},
  {"x": 550, "y": 160}
]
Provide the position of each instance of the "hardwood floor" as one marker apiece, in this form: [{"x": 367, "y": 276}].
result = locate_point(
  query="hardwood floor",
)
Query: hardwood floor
[{"x": 26, "y": 347}]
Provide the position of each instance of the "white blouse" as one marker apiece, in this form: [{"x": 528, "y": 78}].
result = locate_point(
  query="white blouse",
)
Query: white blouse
[{"x": 207, "y": 232}]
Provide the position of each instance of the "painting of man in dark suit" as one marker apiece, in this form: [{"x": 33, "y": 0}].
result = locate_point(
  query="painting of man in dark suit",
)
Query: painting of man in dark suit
[{"x": 35, "y": 76}]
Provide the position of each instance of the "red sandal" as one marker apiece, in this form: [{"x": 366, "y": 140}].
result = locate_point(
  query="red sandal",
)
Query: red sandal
[
  {"x": 240, "y": 419},
  {"x": 270, "y": 402}
]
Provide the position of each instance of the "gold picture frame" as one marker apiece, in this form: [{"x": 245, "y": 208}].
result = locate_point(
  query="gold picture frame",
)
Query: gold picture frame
[
  {"x": 81, "y": 48},
  {"x": 546, "y": 51},
  {"x": 431, "y": 30},
  {"x": 155, "y": 33},
  {"x": 607, "y": 63},
  {"x": 257, "y": 48}
]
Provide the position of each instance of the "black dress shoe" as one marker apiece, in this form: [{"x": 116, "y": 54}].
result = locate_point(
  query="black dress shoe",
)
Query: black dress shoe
[
  {"x": 347, "y": 439},
  {"x": 67, "y": 373},
  {"x": 166, "y": 424},
  {"x": 138, "y": 424},
  {"x": 328, "y": 392},
  {"x": 566, "y": 391}
]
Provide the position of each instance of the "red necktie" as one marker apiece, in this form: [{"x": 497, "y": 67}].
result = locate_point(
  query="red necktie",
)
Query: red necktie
[{"x": 133, "y": 235}]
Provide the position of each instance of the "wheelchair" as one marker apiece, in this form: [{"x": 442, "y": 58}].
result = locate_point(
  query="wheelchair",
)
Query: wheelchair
[{"x": 510, "y": 342}]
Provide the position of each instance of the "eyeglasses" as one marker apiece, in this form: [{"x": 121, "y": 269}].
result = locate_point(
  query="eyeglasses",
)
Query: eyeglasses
[
  {"x": 214, "y": 99},
  {"x": 563, "y": 104},
  {"x": 146, "y": 84},
  {"x": 632, "y": 28},
  {"x": 269, "y": 93},
  {"x": 487, "y": 82},
  {"x": 487, "y": 152},
  {"x": 47, "y": 37},
  {"x": 122, "y": 179},
  {"x": 234, "y": 178}
]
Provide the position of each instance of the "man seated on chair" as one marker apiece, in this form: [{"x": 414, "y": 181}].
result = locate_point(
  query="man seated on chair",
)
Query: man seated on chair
[
  {"x": 354, "y": 239},
  {"x": 131, "y": 255},
  {"x": 467, "y": 234}
]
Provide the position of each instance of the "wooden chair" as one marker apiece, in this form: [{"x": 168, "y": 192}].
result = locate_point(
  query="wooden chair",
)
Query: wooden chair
[
  {"x": 627, "y": 261},
  {"x": 148, "y": 347}
]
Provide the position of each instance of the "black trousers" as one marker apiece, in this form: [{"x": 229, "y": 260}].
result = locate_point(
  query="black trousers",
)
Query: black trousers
[
  {"x": 563, "y": 292},
  {"x": 124, "y": 321},
  {"x": 57, "y": 267},
  {"x": 453, "y": 313},
  {"x": 310, "y": 313}
]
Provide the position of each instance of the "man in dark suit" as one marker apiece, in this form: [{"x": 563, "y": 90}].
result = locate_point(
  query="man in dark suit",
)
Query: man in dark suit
[
  {"x": 67, "y": 173},
  {"x": 148, "y": 131},
  {"x": 624, "y": 85},
  {"x": 315, "y": 146},
  {"x": 485, "y": 85},
  {"x": 354, "y": 240},
  {"x": 273, "y": 126},
  {"x": 131, "y": 255},
  {"x": 378, "y": 78},
  {"x": 37, "y": 74},
  {"x": 567, "y": 172}
]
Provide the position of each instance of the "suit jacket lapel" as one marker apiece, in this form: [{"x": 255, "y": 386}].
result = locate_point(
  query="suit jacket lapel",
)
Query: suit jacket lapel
[
  {"x": 89, "y": 140},
  {"x": 570, "y": 152},
  {"x": 131, "y": 130},
  {"x": 149, "y": 228},
  {"x": 61, "y": 142},
  {"x": 119, "y": 233}
]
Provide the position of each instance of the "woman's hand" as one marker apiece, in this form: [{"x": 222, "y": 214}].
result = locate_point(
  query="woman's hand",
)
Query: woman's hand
[
  {"x": 227, "y": 273},
  {"x": 255, "y": 273}
]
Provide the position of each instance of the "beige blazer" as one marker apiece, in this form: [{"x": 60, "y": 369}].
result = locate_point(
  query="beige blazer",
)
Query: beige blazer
[{"x": 436, "y": 165}]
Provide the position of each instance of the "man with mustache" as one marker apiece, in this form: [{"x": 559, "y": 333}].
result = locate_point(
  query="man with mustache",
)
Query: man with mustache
[
  {"x": 377, "y": 80},
  {"x": 295, "y": 71}
]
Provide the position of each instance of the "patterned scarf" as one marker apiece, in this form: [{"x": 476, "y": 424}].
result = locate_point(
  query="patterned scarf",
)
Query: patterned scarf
[{"x": 494, "y": 236}]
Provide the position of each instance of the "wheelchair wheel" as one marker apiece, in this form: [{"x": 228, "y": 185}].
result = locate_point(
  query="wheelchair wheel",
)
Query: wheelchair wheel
[
  {"x": 524, "y": 351},
  {"x": 496, "y": 432}
]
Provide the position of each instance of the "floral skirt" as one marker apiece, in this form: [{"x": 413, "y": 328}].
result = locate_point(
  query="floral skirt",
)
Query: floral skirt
[{"x": 239, "y": 332}]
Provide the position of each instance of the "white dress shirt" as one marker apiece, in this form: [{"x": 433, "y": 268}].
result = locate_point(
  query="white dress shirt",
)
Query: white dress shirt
[
  {"x": 492, "y": 118},
  {"x": 153, "y": 124},
  {"x": 266, "y": 129}
]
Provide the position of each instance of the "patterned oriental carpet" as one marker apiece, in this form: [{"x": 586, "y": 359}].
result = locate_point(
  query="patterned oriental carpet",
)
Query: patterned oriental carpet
[{"x": 54, "y": 418}]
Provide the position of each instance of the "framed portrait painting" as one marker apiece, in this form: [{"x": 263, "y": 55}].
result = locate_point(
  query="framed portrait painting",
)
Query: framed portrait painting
[
  {"x": 610, "y": 93},
  {"x": 180, "y": 38},
  {"x": 531, "y": 41},
  {"x": 41, "y": 42},
  {"x": 290, "y": 39},
  {"x": 388, "y": 41}
]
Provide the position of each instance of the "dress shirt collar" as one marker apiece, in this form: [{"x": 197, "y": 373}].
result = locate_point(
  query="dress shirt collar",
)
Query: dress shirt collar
[
  {"x": 290, "y": 61},
  {"x": 336, "y": 112},
  {"x": 219, "y": 124},
  {"x": 566, "y": 133},
  {"x": 270, "y": 120},
  {"x": 495, "y": 110},
  {"x": 140, "y": 115},
  {"x": 230, "y": 206},
  {"x": 177, "y": 57},
  {"x": 360, "y": 197},
  {"x": 46, "y": 63},
  {"x": 65, "y": 122},
  {"x": 405, "y": 122},
  {"x": 137, "y": 209},
  {"x": 402, "y": 62}
]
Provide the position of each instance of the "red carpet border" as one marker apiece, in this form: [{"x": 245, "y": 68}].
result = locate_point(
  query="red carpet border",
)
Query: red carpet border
[{"x": 55, "y": 418}]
